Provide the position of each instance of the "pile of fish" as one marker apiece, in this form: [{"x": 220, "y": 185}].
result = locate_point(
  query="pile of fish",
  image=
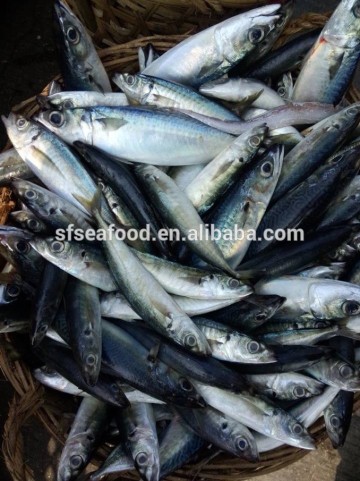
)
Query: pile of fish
[{"x": 180, "y": 347}]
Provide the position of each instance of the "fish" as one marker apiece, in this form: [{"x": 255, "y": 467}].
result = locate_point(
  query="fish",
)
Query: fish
[
  {"x": 285, "y": 58},
  {"x": 207, "y": 370},
  {"x": 59, "y": 358},
  {"x": 123, "y": 182},
  {"x": 86, "y": 432},
  {"x": 330, "y": 64},
  {"x": 250, "y": 313},
  {"x": 287, "y": 386},
  {"x": 150, "y": 301},
  {"x": 257, "y": 414},
  {"x": 233, "y": 346},
  {"x": 185, "y": 141},
  {"x": 81, "y": 66},
  {"x": 66, "y": 100},
  {"x": 326, "y": 136},
  {"x": 53, "y": 210},
  {"x": 147, "y": 55},
  {"x": 28, "y": 220},
  {"x": 12, "y": 166},
  {"x": 221, "y": 430},
  {"x": 212, "y": 52},
  {"x": 313, "y": 193},
  {"x": 125, "y": 358},
  {"x": 308, "y": 298},
  {"x": 179, "y": 213},
  {"x": 51, "y": 160},
  {"x": 138, "y": 424},
  {"x": 157, "y": 92},
  {"x": 245, "y": 205},
  {"x": 222, "y": 172},
  {"x": 83, "y": 260},
  {"x": 83, "y": 317},
  {"x": 238, "y": 89},
  {"x": 47, "y": 301}
]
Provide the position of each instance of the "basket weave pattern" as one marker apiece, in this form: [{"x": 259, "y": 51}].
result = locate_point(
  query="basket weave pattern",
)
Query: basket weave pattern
[
  {"x": 33, "y": 399},
  {"x": 116, "y": 21}
]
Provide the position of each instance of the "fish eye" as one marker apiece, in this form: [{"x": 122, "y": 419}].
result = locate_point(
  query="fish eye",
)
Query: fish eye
[
  {"x": 185, "y": 384},
  {"x": 297, "y": 429},
  {"x": 30, "y": 194},
  {"x": 22, "y": 247},
  {"x": 90, "y": 360},
  {"x": 115, "y": 388},
  {"x": 56, "y": 118},
  {"x": 261, "y": 316},
  {"x": 68, "y": 104},
  {"x": 345, "y": 371},
  {"x": 57, "y": 246},
  {"x": 335, "y": 421},
  {"x": 353, "y": 110},
  {"x": 253, "y": 347},
  {"x": 351, "y": 308},
  {"x": 72, "y": 34},
  {"x": 33, "y": 224},
  {"x": 281, "y": 91},
  {"x": 320, "y": 325},
  {"x": 266, "y": 169},
  {"x": 255, "y": 141},
  {"x": 233, "y": 283},
  {"x": 241, "y": 443},
  {"x": 299, "y": 392},
  {"x": 130, "y": 79},
  {"x": 141, "y": 459},
  {"x": 21, "y": 123},
  {"x": 13, "y": 290},
  {"x": 256, "y": 34},
  {"x": 76, "y": 461},
  {"x": 356, "y": 9},
  {"x": 190, "y": 340}
]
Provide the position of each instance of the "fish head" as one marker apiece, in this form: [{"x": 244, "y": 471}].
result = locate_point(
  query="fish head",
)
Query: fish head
[
  {"x": 27, "y": 220},
  {"x": 218, "y": 284},
  {"x": 15, "y": 241},
  {"x": 343, "y": 27},
  {"x": 52, "y": 249},
  {"x": 9, "y": 292},
  {"x": 69, "y": 124},
  {"x": 58, "y": 101},
  {"x": 329, "y": 299},
  {"x": 146, "y": 460},
  {"x": 346, "y": 374},
  {"x": 244, "y": 443},
  {"x": 90, "y": 361},
  {"x": 257, "y": 352},
  {"x": 73, "y": 458},
  {"x": 292, "y": 428},
  {"x": 70, "y": 33},
  {"x": 21, "y": 131},
  {"x": 28, "y": 192},
  {"x": 136, "y": 87},
  {"x": 268, "y": 169}
]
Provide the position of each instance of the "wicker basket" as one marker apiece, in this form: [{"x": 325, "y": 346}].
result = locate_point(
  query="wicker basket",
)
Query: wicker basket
[
  {"x": 116, "y": 21},
  {"x": 30, "y": 398}
]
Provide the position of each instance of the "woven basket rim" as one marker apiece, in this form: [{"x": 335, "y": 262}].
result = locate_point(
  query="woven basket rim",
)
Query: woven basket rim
[{"x": 31, "y": 398}]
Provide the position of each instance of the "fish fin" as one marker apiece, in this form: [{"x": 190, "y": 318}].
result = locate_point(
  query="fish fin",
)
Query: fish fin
[
  {"x": 346, "y": 330},
  {"x": 111, "y": 124},
  {"x": 153, "y": 353},
  {"x": 95, "y": 204},
  {"x": 249, "y": 273}
]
